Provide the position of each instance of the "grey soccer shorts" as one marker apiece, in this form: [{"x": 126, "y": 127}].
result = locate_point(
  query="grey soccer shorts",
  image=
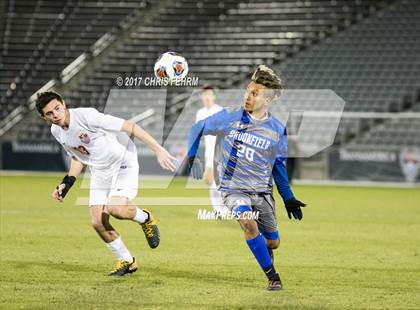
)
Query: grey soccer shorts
[{"x": 262, "y": 203}]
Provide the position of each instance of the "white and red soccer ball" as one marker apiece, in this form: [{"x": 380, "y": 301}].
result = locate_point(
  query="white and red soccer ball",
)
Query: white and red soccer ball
[{"x": 172, "y": 66}]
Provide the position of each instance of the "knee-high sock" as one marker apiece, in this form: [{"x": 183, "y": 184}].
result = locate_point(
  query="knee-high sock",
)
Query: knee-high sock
[
  {"x": 119, "y": 249},
  {"x": 260, "y": 251},
  {"x": 216, "y": 198},
  {"x": 140, "y": 216}
]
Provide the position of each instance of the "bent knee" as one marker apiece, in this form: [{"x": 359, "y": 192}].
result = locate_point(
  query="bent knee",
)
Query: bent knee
[
  {"x": 273, "y": 244},
  {"x": 118, "y": 206},
  {"x": 116, "y": 201},
  {"x": 249, "y": 227},
  {"x": 97, "y": 224}
]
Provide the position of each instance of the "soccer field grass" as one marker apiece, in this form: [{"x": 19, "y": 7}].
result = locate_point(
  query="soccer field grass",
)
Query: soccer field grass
[{"x": 356, "y": 248}]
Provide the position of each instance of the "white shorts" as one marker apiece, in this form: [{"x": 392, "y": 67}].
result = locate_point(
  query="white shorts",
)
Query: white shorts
[{"x": 103, "y": 184}]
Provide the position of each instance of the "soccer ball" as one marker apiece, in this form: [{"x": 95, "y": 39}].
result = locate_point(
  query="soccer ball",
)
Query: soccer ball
[{"x": 172, "y": 66}]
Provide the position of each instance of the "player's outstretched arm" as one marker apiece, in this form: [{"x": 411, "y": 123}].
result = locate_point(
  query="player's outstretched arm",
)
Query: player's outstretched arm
[
  {"x": 164, "y": 158},
  {"x": 293, "y": 206},
  {"x": 76, "y": 167},
  {"x": 211, "y": 125}
]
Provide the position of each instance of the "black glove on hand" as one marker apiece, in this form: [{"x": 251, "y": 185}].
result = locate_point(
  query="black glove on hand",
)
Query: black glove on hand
[
  {"x": 68, "y": 181},
  {"x": 293, "y": 207},
  {"x": 195, "y": 167}
]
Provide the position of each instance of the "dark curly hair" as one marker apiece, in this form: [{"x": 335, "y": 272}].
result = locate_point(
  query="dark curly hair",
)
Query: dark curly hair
[
  {"x": 44, "y": 98},
  {"x": 265, "y": 76}
]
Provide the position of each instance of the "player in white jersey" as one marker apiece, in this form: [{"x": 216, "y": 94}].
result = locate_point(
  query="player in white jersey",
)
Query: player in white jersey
[
  {"x": 102, "y": 142},
  {"x": 209, "y": 108}
]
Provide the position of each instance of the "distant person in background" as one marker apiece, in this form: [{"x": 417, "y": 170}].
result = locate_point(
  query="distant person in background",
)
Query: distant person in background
[
  {"x": 209, "y": 108},
  {"x": 410, "y": 162},
  {"x": 102, "y": 142}
]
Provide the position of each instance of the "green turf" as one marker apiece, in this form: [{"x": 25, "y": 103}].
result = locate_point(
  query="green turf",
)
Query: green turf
[{"x": 357, "y": 248}]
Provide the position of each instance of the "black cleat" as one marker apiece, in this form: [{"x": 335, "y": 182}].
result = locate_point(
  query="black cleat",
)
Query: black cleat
[
  {"x": 123, "y": 267},
  {"x": 275, "y": 284},
  {"x": 151, "y": 231}
]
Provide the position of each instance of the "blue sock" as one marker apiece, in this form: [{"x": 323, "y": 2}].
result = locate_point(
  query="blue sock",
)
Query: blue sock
[{"x": 260, "y": 251}]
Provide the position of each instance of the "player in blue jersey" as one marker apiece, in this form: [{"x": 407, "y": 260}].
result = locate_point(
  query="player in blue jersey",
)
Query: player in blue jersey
[{"x": 251, "y": 151}]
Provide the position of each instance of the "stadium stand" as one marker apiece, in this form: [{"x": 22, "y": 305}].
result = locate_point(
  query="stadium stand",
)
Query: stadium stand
[
  {"x": 374, "y": 66},
  {"x": 223, "y": 41},
  {"x": 43, "y": 37},
  {"x": 370, "y": 65},
  {"x": 392, "y": 132}
]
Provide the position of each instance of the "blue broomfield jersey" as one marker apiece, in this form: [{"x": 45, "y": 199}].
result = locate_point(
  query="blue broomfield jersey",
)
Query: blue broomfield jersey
[{"x": 249, "y": 153}]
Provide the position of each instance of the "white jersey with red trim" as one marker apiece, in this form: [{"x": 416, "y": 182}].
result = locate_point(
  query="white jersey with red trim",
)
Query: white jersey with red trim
[
  {"x": 210, "y": 141},
  {"x": 96, "y": 140}
]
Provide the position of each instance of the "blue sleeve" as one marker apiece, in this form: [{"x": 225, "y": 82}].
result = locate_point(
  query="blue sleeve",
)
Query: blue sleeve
[
  {"x": 281, "y": 180},
  {"x": 279, "y": 169},
  {"x": 209, "y": 126}
]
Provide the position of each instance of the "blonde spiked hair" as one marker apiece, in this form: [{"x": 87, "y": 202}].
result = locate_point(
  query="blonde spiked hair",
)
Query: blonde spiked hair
[{"x": 266, "y": 76}]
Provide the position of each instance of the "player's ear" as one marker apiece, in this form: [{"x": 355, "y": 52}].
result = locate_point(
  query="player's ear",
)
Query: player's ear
[
  {"x": 267, "y": 98},
  {"x": 42, "y": 115},
  {"x": 45, "y": 119}
]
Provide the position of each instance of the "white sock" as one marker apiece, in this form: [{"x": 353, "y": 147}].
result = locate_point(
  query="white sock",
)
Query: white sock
[
  {"x": 140, "y": 216},
  {"x": 119, "y": 249}
]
